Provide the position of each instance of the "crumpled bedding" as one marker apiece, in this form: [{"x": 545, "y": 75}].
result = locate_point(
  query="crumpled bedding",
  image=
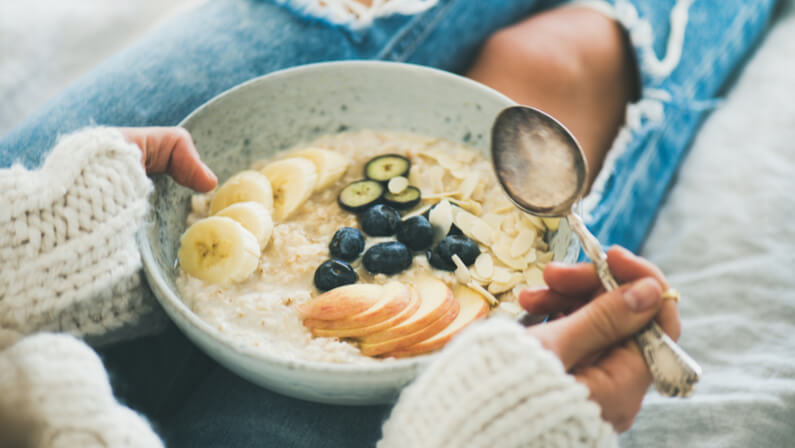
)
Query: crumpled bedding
[
  {"x": 725, "y": 237},
  {"x": 726, "y": 240}
]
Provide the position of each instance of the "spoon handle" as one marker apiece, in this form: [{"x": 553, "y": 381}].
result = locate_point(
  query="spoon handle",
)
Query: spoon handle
[{"x": 675, "y": 372}]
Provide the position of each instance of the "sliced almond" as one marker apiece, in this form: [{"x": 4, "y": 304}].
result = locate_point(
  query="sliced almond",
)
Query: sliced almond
[
  {"x": 468, "y": 185},
  {"x": 493, "y": 219},
  {"x": 534, "y": 222},
  {"x": 544, "y": 257},
  {"x": 483, "y": 292},
  {"x": 484, "y": 265},
  {"x": 415, "y": 176},
  {"x": 418, "y": 211},
  {"x": 503, "y": 204},
  {"x": 530, "y": 256},
  {"x": 523, "y": 242},
  {"x": 502, "y": 250},
  {"x": 436, "y": 196},
  {"x": 534, "y": 276},
  {"x": 441, "y": 219},
  {"x": 473, "y": 207},
  {"x": 397, "y": 184},
  {"x": 510, "y": 224},
  {"x": 501, "y": 275},
  {"x": 461, "y": 270},
  {"x": 540, "y": 244},
  {"x": 513, "y": 279},
  {"x": 474, "y": 227}
]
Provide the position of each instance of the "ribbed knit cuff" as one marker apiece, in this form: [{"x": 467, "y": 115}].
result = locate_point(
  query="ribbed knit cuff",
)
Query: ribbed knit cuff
[
  {"x": 495, "y": 385},
  {"x": 67, "y": 240}
]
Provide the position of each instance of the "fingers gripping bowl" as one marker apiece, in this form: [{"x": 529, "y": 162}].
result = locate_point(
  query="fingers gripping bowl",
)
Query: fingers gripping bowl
[{"x": 260, "y": 119}]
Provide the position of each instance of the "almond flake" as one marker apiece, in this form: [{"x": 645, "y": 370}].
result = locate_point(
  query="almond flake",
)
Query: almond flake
[
  {"x": 530, "y": 256},
  {"x": 544, "y": 257},
  {"x": 523, "y": 242},
  {"x": 418, "y": 211},
  {"x": 500, "y": 287},
  {"x": 493, "y": 219},
  {"x": 461, "y": 271},
  {"x": 437, "y": 196},
  {"x": 502, "y": 250},
  {"x": 468, "y": 186},
  {"x": 482, "y": 291},
  {"x": 414, "y": 175},
  {"x": 435, "y": 178},
  {"x": 501, "y": 275},
  {"x": 534, "y": 222},
  {"x": 534, "y": 277},
  {"x": 468, "y": 205},
  {"x": 397, "y": 184},
  {"x": 484, "y": 266},
  {"x": 474, "y": 227},
  {"x": 441, "y": 219}
]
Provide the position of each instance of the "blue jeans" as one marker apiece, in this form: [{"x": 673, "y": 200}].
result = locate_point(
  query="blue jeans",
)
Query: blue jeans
[{"x": 190, "y": 399}]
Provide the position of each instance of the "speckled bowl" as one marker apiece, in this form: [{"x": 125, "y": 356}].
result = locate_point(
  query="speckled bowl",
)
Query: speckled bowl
[{"x": 268, "y": 114}]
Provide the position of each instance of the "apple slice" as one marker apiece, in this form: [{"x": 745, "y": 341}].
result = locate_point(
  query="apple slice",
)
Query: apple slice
[
  {"x": 436, "y": 298},
  {"x": 407, "y": 312},
  {"x": 473, "y": 307},
  {"x": 394, "y": 299},
  {"x": 342, "y": 302},
  {"x": 378, "y": 348}
]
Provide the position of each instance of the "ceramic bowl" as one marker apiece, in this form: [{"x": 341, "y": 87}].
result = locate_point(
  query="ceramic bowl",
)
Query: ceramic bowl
[{"x": 268, "y": 114}]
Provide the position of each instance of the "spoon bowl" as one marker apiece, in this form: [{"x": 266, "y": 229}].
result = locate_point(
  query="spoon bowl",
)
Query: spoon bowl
[{"x": 538, "y": 161}]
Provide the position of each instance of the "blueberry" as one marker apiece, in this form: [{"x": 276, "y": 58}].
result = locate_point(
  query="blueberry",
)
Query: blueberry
[
  {"x": 387, "y": 258},
  {"x": 416, "y": 233},
  {"x": 334, "y": 273},
  {"x": 380, "y": 220},
  {"x": 346, "y": 244},
  {"x": 441, "y": 257},
  {"x": 436, "y": 260}
]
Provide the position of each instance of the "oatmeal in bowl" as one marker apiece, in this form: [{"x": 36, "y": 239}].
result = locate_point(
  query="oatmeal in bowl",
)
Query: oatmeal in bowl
[
  {"x": 360, "y": 225},
  {"x": 364, "y": 246}
]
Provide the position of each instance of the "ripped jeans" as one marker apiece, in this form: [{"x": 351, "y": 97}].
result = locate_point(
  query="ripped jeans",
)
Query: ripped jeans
[{"x": 687, "y": 51}]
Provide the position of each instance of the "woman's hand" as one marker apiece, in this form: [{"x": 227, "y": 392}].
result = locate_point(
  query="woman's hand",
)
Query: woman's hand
[
  {"x": 593, "y": 336},
  {"x": 171, "y": 150}
]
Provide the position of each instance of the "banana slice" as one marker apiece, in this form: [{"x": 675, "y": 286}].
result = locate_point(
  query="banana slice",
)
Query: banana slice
[
  {"x": 329, "y": 165},
  {"x": 253, "y": 217},
  {"x": 243, "y": 187},
  {"x": 293, "y": 182},
  {"x": 218, "y": 250}
]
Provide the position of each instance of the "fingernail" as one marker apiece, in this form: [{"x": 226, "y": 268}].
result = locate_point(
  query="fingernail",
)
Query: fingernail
[{"x": 643, "y": 294}]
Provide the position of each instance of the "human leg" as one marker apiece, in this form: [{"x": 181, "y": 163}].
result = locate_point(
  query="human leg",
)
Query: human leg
[
  {"x": 677, "y": 90},
  {"x": 170, "y": 72}
]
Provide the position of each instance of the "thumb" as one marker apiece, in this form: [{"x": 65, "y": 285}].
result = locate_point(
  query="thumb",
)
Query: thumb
[{"x": 605, "y": 321}]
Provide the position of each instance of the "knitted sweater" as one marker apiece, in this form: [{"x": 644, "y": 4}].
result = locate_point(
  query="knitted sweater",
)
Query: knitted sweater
[
  {"x": 67, "y": 241},
  {"x": 69, "y": 263}
]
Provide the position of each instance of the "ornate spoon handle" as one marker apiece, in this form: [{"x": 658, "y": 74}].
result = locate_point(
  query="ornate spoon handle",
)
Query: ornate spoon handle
[{"x": 675, "y": 372}]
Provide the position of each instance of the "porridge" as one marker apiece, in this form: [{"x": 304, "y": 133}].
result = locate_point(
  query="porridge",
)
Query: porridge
[{"x": 358, "y": 247}]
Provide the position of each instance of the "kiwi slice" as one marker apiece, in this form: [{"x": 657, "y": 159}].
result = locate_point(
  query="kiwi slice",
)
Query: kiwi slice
[
  {"x": 404, "y": 200},
  {"x": 383, "y": 168},
  {"x": 357, "y": 196}
]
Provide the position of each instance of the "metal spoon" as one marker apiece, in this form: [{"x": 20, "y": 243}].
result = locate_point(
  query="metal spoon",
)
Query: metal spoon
[{"x": 543, "y": 170}]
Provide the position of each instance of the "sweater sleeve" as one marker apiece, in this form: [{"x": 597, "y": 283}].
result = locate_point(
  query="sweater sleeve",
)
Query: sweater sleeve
[
  {"x": 495, "y": 386},
  {"x": 55, "y": 393},
  {"x": 67, "y": 241}
]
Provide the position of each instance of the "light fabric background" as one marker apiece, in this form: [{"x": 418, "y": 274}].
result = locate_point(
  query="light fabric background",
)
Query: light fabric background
[{"x": 725, "y": 237}]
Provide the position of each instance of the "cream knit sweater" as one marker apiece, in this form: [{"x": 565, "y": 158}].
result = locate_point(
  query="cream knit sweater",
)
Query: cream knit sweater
[{"x": 69, "y": 264}]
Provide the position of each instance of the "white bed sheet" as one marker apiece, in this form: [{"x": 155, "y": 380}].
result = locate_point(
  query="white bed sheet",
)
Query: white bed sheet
[{"x": 726, "y": 236}]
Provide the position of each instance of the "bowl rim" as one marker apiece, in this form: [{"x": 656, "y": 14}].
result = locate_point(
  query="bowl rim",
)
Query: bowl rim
[{"x": 170, "y": 299}]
